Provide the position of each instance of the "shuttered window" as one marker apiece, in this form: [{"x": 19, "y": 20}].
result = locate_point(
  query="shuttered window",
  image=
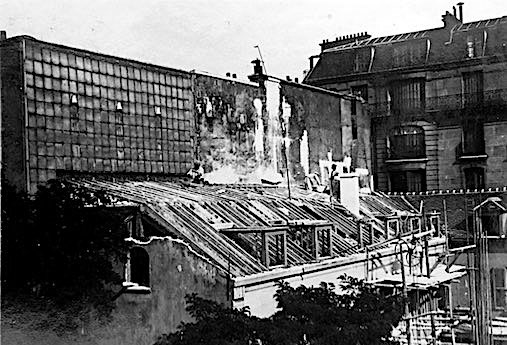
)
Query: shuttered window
[
  {"x": 472, "y": 89},
  {"x": 407, "y": 95}
]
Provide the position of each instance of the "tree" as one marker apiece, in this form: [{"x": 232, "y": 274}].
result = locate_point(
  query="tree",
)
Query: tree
[
  {"x": 359, "y": 314},
  {"x": 58, "y": 252}
]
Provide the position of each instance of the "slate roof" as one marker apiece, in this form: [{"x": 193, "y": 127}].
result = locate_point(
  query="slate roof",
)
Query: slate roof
[{"x": 428, "y": 47}]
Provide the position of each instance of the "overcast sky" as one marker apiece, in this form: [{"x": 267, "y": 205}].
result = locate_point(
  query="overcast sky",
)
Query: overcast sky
[{"x": 219, "y": 36}]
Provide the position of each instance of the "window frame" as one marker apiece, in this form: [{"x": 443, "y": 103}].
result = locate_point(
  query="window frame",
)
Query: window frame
[
  {"x": 128, "y": 284},
  {"x": 265, "y": 248},
  {"x": 495, "y": 288},
  {"x": 388, "y": 227}
]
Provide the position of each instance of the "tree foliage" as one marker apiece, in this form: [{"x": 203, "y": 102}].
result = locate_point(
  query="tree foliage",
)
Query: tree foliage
[
  {"x": 358, "y": 314},
  {"x": 58, "y": 251}
]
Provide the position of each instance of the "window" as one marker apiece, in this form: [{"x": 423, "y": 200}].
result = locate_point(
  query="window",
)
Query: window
[
  {"x": 407, "y": 142},
  {"x": 499, "y": 287},
  {"x": 415, "y": 224},
  {"x": 324, "y": 243},
  {"x": 316, "y": 241},
  {"x": 275, "y": 249},
  {"x": 494, "y": 223},
  {"x": 474, "y": 178},
  {"x": 393, "y": 228},
  {"x": 137, "y": 271},
  {"x": 409, "y": 53},
  {"x": 408, "y": 181},
  {"x": 433, "y": 224},
  {"x": 472, "y": 89},
  {"x": 362, "y": 60},
  {"x": 407, "y": 95},
  {"x": 473, "y": 137}
]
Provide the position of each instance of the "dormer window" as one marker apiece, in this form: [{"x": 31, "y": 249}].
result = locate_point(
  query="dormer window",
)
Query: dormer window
[
  {"x": 315, "y": 240},
  {"x": 415, "y": 224},
  {"x": 392, "y": 228},
  {"x": 274, "y": 248}
]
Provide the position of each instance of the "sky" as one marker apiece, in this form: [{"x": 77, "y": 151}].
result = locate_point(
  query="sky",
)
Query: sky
[{"x": 220, "y": 36}]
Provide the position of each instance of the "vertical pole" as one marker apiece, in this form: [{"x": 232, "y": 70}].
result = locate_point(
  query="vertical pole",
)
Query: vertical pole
[
  {"x": 449, "y": 289},
  {"x": 405, "y": 295}
]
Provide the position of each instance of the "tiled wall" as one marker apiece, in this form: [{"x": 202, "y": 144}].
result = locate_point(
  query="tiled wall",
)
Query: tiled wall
[{"x": 151, "y": 134}]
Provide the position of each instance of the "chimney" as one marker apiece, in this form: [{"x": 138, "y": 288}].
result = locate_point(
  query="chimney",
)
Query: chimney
[
  {"x": 228, "y": 74},
  {"x": 460, "y": 9},
  {"x": 454, "y": 11},
  {"x": 258, "y": 76},
  {"x": 349, "y": 192},
  {"x": 234, "y": 76},
  {"x": 450, "y": 20},
  {"x": 3, "y": 35},
  {"x": 296, "y": 80},
  {"x": 288, "y": 78},
  {"x": 340, "y": 41}
]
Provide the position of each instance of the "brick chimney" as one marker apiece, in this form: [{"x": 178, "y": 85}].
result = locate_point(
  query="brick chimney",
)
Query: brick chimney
[
  {"x": 340, "y": 41},
  {"x": 349, "y": 192},
  {"x": 450, "y": 20}
]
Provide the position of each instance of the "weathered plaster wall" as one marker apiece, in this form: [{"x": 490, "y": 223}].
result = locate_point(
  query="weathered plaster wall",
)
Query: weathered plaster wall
[
  {"x": 321, "y": 115},
  {"x": 138, "y": 319},
  {"x": 225, "y": 118}
]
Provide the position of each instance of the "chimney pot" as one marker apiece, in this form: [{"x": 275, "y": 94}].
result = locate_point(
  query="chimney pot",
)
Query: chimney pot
[{"x": 460, "y": 8}]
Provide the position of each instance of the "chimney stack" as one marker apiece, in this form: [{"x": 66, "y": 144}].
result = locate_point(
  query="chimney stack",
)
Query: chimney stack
[
  {"x": 460, "y": 8},
  {"x": 296, "y": 80},
  {"x": 228, "y": 74},
  {"x": 234, "y": 76},
  {"x": 3, "y": 35},
  {"x": 349, "y": 192},
  {"x": 288, "y": 78}
]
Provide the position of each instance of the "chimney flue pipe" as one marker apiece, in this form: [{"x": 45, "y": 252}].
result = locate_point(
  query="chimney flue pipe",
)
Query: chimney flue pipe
[{"x": 460, "y": 8}]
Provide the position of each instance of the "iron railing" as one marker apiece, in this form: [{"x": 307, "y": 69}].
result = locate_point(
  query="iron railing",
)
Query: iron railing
[{"x": 490, "y": 100}]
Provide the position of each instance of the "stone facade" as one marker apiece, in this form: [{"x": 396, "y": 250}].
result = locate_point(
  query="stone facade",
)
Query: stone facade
[{"x": 437, "y": 101}]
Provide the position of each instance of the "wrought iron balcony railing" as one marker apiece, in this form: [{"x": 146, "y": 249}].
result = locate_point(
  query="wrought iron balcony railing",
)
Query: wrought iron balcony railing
[{"x": 490, "y": 100}]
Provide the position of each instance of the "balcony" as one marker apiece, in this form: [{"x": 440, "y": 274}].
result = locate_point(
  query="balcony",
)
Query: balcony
[{"x": 488, "y": 103}]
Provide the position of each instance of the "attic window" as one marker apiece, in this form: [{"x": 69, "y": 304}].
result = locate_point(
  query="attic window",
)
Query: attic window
[
  {"x": 434, "y": 224},
  {"x": 316, "y": 241},
  {"x": 324, "y": 242},
  {"x": 392, "y": 228},
  {"x": 137, "y": 271},
  {"x": 274, "y": 249},
  {"x": 415, "y": 225}
]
